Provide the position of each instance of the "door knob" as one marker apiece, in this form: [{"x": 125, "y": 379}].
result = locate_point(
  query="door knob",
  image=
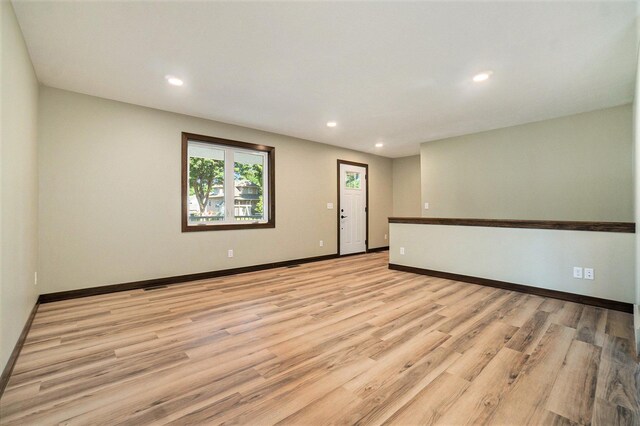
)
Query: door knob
[{"x": 342, "y": 217}]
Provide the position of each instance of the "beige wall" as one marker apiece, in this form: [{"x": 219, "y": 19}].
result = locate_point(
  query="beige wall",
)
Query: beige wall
[
  {"x": 406, "y": 186},
  {"x": 535, "y": 257},
  {"x": 571, "y": 168},
  {"x": 19, "y": 183},
  {"x": 110, "y": 196}
]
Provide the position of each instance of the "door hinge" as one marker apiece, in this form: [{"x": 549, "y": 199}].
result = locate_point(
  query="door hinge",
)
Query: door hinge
[{"x": 365, "y": 209}]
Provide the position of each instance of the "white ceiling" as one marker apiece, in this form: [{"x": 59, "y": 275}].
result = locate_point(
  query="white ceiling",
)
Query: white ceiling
[{"x": 397, "y": 73}]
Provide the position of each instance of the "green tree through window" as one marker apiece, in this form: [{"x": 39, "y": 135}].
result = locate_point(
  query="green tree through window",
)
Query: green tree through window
[
  {"x": 352, "y": 180},
  {"x": 204, "y": 173}
]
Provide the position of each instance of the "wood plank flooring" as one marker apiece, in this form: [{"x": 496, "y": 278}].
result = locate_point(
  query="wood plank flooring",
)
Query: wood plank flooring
[{"x": 343, "y": 341}]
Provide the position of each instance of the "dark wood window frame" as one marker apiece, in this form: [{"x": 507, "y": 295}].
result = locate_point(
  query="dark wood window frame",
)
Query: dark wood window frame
[{"x": 271, "y": 198}]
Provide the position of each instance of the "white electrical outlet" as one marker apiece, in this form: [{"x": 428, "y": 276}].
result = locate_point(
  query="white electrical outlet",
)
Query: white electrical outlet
[
  {"x": 329, "y": 206},
  {"x": 321, "y": 243},
  {"x": 35, "y": 278},
  {"x": 426, "y": 206},
  {"x": 588, "y": 273},
  {"x": 401, "y": 250},
  {"x": 385, "y": 236},
  {"x": 230, "y": 253},
  {"x": 577, "y": 272}
]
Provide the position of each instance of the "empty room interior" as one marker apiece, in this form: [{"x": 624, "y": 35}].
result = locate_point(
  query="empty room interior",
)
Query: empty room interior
[{"x": 315, "y": 213}]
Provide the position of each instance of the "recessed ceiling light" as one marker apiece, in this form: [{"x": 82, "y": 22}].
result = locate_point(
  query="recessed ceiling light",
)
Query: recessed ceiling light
[
  {"x": 483, "y": 76},
  {"x": 331, "y": 124},
  {"x": 174, "y": 81},
  {"x": 379, "y": 145}
]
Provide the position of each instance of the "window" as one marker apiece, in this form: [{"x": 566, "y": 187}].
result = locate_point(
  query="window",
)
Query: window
[
  {"x": 352, "y": 180},
  {"x": 226, "y": 184}
]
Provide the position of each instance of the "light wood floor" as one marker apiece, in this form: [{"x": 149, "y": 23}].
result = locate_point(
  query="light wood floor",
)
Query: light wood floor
[{"x": 345, "y": 341}]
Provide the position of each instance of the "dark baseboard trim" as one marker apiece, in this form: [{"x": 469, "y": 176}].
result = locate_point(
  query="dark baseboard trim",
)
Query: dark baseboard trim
[
  {"x": 626, "y": 227},
  {"x": 93, "y": 291},
  {"x": 11, "y": 362},
  {"x": 544, "y": 292},
  {"x": 352, "y": 254},
  {"x": 366, "y": 251},
  {"x": 377, "y": 249}
]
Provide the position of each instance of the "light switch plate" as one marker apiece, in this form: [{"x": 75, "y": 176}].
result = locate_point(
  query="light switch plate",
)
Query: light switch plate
[
  {"x": 329, "y": 206},
  {"x": 577, "y": 272}
]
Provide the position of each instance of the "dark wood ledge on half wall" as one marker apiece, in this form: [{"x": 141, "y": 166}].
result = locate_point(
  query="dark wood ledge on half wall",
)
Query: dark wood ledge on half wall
[{"x": 624, "y": 227}]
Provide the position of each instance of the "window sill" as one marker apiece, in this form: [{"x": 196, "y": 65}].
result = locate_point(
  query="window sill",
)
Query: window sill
[{"x": 228, "y": 226}]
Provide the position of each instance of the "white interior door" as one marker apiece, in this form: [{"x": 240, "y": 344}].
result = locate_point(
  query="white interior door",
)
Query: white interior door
[{"x": 353, "y": 209}]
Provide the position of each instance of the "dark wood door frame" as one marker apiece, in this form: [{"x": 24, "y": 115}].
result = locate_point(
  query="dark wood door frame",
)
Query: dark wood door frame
[{"x": 366, "y": 173}]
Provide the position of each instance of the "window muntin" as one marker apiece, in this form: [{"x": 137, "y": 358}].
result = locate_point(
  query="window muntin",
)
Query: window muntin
[{"x": 226, "y": 184}]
